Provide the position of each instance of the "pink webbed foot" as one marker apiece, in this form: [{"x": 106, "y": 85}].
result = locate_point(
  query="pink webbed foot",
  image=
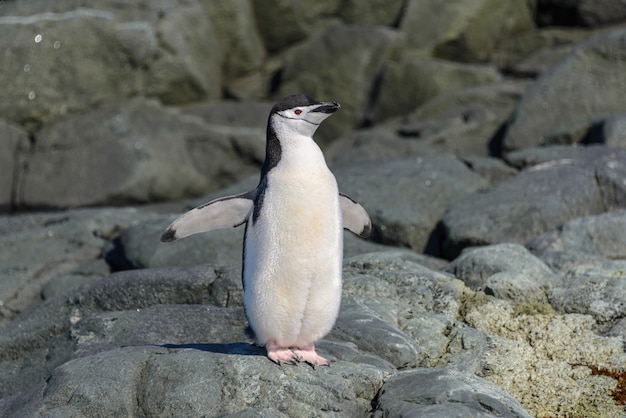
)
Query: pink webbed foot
[
  {"x": 308, "y": 354},
  {"x": 281, "y": 355}
]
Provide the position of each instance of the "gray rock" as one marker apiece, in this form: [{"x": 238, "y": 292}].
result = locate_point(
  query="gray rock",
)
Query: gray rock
[
  {"x": 587, "y": 240},
  {"x": 492, "y": 169},
  {"x": 460, "y": 31},
  {"x": 241, "y": 42},
  {"x": 134, "y": 151},
  {"x": 48, "y": 334},
  {"x": 167, "y": 382},
  {"x": 348, "y": 59},
  {"x": 406, "y": 197},
  {"x": 598, "y": 291},
  {"x": 357, "y": 323},
  {"x": 441, "y": 392},
  {"x": 379, "y": 12},
  {"x": 614, "y": 131},
  {"x": 533, "y": 52},
  {"x": 416, "y": 79},
  {"x": 549, "y": 108},
  {"x": 476, "y": 266},
  {"x": 602, "y": 12},
  {"x": 460, "y": 122},
  {"x": 157, "y": 50},
  {"x": 37, "y": 249},
  {"x": 539, "y": 198},
  {"x": 13, "y": 143},
  {"x": 284, "y": 23}
]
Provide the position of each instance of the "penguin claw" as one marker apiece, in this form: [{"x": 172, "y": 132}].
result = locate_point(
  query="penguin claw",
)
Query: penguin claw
[
  {"x": 309, "y": 355},
  {"x": 281, "y": 355}
]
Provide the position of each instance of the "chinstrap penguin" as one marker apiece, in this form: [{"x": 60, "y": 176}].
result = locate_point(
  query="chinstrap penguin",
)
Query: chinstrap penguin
[{"x": 293, "y": 242}]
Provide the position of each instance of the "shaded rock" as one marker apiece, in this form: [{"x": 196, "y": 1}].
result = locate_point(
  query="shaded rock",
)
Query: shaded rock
[
  {"x": 415, "y": 79},
  {"x": 13, "y": 144},
  {"x": 538, "y": 199},
  {"x": 580, "y": 12},
  {"x": 440, "y": 392},
  {"x": 531, "y": 53},
  {"x": 406, "y": 197},
  {"x": 160, "y": 51},
  {"x": 235, "y": 26},
  {"x": 380, "y": 12},
  {"x": 283, "y": 23},
  {"x": 475, "y": 266},
  {"x": 348, "y": 59},
  {"x": 599, "y": 291},
  {"x": 549, "y": 109},
  {"x": 533, "y": 356},
  {"x": 463, "y": 31},
  {"x": 37, "y": 249},
  {"x": 161, "y": 325},
  {"x": 613, "y": 131},
  {"x": 492, "y": 169},
  {"x": 460, "y": 122},
  {"x": 591, "y": 239},
  {"x": 135, "y": 151}
]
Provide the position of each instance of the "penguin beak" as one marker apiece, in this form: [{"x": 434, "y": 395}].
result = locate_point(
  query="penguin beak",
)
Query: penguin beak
[{"x": 327, "y": 107}]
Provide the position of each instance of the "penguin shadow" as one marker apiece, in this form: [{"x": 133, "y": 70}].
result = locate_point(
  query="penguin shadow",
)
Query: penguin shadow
[{"x": 241, "y": 349}]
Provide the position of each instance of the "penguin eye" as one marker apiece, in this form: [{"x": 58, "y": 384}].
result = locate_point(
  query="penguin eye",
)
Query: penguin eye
[{"x": 297, "y": 111}]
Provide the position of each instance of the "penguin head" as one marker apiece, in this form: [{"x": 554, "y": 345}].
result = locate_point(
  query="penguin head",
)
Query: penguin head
[{"x": 301, "y": 114}]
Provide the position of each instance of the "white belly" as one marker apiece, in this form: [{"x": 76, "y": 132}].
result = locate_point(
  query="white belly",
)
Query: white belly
[{"x": 293, "y": 258}]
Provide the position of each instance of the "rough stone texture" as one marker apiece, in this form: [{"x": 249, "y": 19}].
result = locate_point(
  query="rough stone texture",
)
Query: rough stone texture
[
  {"x": 599, "y": 291},
  {"x": 339, "y": 64},
  {"x": 538, "y": 199},
  {"x": 549, "y": 112},
  {"x": 589, "y": 240},
  {"x": 463, "y": 31},
  {"x": 444, "y": 393},
  {"x": 549, "y": 353},
  {"x": 406, "y": 197},
  {"x": 376, "y": 12},
  {"x": 476, "y": 266}
]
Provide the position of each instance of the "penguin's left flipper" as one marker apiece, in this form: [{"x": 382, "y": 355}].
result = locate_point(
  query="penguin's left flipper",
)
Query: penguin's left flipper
[
  {"x": 229, "y": 211},
  {"x": 355, "y": 218}
]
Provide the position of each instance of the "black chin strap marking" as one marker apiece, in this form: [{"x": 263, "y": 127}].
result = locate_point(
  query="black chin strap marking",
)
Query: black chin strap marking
[{"x": 289, "y": 117}]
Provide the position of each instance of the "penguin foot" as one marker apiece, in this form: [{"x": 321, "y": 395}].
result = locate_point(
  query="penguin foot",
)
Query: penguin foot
[
  {"x": 308, "y": 354},
  {"x": 281, "y": 355}
]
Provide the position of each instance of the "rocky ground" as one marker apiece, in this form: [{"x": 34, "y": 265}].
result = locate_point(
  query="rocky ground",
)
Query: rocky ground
[{"x": 486, "y": 140}]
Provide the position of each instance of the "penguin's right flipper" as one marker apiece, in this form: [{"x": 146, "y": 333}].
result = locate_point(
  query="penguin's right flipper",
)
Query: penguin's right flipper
[
  {"x": 355, "y": 218},
  {"x": 229, "y": 211}
]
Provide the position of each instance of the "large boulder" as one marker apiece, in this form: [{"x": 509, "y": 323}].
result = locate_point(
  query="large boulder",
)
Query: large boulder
[
  {"x": 159, "y": 51},
  {"x": 133, "y": 151},
  {"x": 538, "y": 199},
  {"x": 463, "y": 30},
  {"x": 340, "y": 63},
  {"x": 550, "y": 111},
  {"x": 406, "y": 197},
  {"x": 415, "y": 79}
]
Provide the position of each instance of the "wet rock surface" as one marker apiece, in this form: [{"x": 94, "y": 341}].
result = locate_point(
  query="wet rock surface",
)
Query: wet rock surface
[{"x": 484, "y": 139}]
